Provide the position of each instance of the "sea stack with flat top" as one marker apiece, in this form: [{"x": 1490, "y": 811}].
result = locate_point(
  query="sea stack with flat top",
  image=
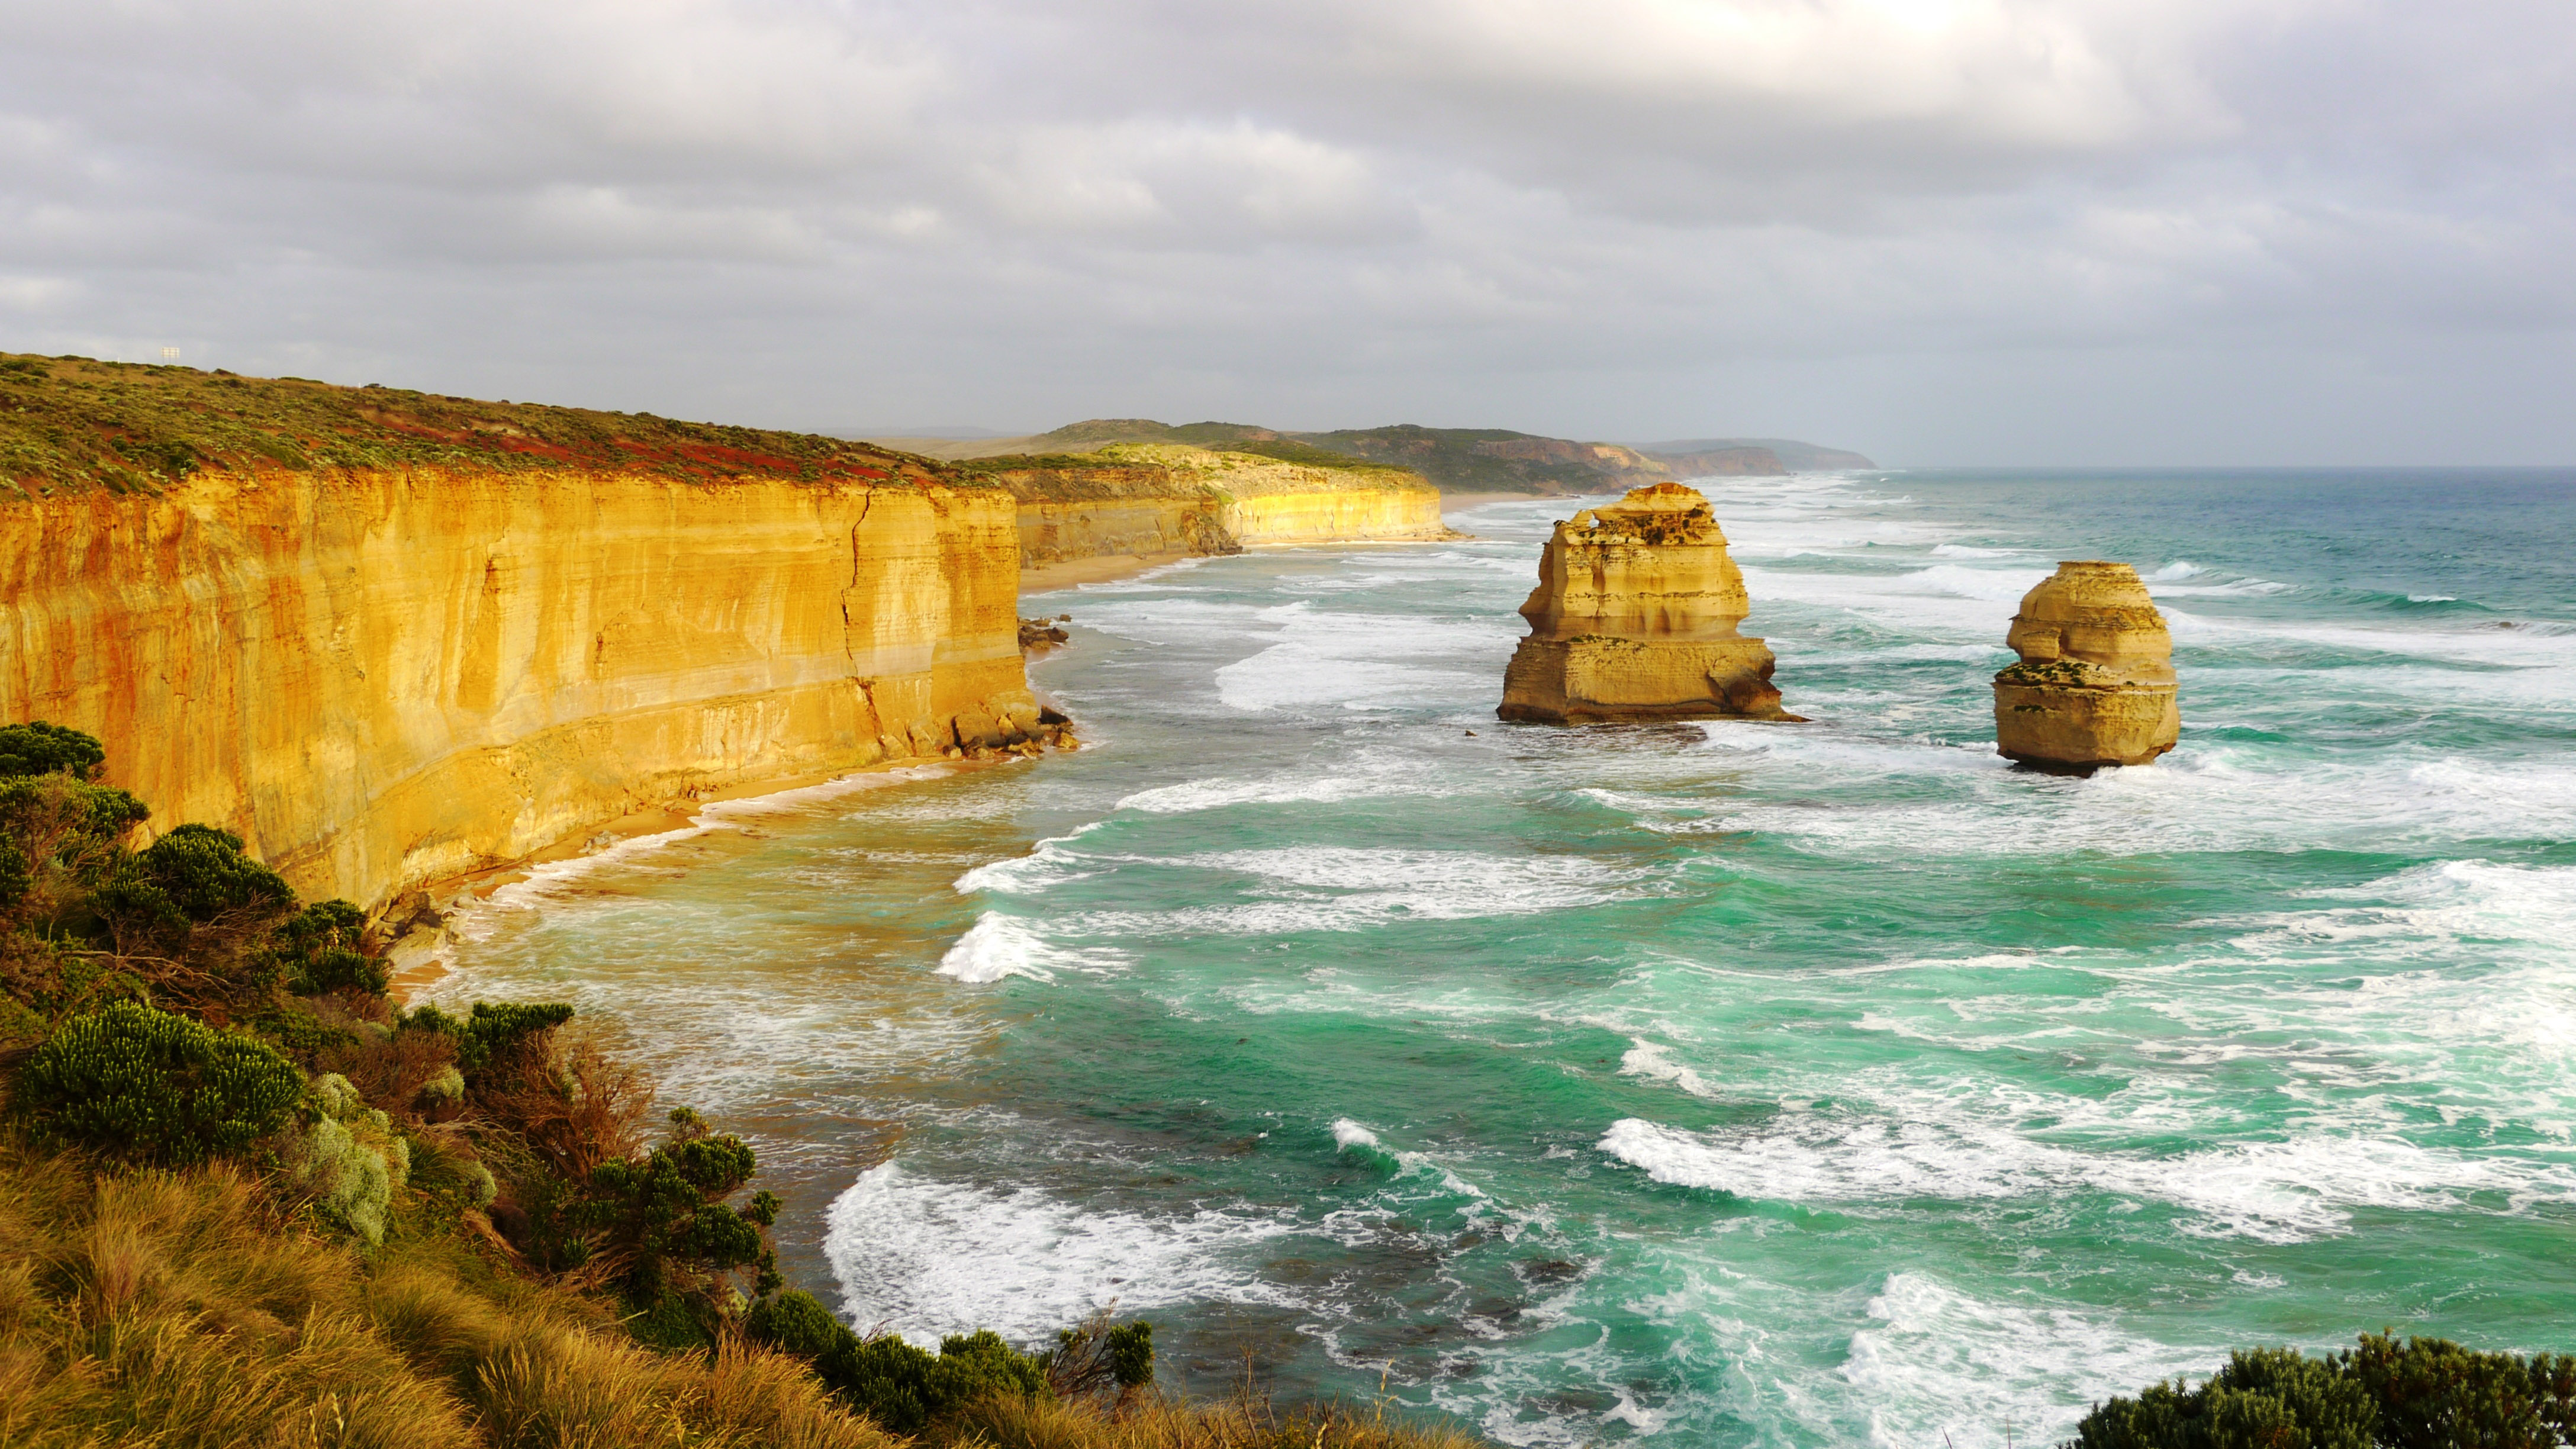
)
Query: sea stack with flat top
[
  {"x": 1634, "y": 618},
  {"x": 2095, "y": 683}
]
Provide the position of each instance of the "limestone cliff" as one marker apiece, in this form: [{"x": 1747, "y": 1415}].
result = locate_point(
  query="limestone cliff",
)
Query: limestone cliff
[
  {"x": 1470, "y": 460},
  {"x": 2095, "y": 682},
  {"x": 383, "y": 677},
  {"x": 1635, "y": 617},
  {"x": 1157, "y": 499},
  {"x": 389, "y": 637}
]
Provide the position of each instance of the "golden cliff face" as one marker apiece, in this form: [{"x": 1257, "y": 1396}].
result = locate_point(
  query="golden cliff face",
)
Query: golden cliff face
[
  {"x": 1150, "y": 500},
  {"x": 1635, "y": 617},
  {"x": 2095, "y": 682},
  {"x": 381, "y": 677}
]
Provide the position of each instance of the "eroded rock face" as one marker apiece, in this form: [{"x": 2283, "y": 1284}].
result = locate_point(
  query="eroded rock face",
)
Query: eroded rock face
[
  {"x": 1635, "y": 618},
  {"x": 383, "y": 677},
  {"x": 2095, "y": 684}
]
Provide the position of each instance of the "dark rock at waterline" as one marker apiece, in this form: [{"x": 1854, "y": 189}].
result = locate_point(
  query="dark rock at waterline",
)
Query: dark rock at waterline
[{"x": 1037, "y": 633}]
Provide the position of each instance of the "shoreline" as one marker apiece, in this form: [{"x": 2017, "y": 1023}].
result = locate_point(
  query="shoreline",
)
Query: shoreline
[
  {"x": 1101, "y": 569},
  {"x": 413, "y": 964},
  {"x": 1461, "y": 502}
]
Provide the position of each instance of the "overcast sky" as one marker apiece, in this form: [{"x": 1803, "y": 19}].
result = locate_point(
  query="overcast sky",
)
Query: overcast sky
[{"x": 1981, "y": 232}]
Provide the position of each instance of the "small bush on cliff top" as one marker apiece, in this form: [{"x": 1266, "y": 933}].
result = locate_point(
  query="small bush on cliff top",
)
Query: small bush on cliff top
[
  {"x": 2427, "y": 1393},
  {"x": 194, "y": 876},
  {"x": 490, "y": 1030},
  {"x": 898, "y": 1385},
  {"x": 317, "y": 948},
  {"x": 59, "y": 837},
  {"x": 908, "y": 1389},
  {"x": 130, "y": 1081}
]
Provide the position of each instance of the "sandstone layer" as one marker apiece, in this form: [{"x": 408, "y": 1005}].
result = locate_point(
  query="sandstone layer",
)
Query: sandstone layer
[
  {"x": 1635, "y": 617},
  {"x": 386, "y": 676},
  {"x": 1160, "y": 499},
  {"x": 2095, "y": 682}
]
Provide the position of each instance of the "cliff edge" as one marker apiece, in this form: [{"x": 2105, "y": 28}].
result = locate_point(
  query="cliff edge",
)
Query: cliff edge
[
  {"x": 1152, "y": 500},
  {"x": 390, "y": 637}
]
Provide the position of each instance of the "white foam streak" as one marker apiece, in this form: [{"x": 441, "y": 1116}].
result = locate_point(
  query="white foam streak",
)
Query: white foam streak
[
  {"x": 930, "y": 1258},
  {"x": 1936, "y": 1363},
  {"x": 2279, "y": 1192},
  {"x": 997, "y": 946}
]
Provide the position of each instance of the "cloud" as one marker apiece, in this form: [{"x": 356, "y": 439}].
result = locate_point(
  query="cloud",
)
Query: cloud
[{"x": 1322, "y": 212}]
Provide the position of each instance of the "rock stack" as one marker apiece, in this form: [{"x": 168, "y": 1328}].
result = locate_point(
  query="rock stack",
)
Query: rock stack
[
  {"x": 1634, "y": 619},
  {"x": 2095, "y": 685}
]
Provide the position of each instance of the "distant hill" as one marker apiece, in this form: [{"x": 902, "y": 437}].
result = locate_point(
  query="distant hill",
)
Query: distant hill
[
  {"x": 1497, "y": 460},
  {"x": 1456, "y": 460},
  {"x": 1795, "y": 456}
]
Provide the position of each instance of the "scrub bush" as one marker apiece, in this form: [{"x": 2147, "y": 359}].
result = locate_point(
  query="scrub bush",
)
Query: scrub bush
[
  {"x": 130, "y": 1081},
  {"x": 2428, "y": 1393},
  {"x": 490, "y": 1031},
  {"x": 38, "y": 748},
  {"x": 317, "y": 951},
  {"x": 901, "y": 1387},
  {"x": 194, "y": 877},
  {"x": 59, "y": 838},
  {"x": 1098, "y": 1356},
  {"x": 348, "y": 1156}
]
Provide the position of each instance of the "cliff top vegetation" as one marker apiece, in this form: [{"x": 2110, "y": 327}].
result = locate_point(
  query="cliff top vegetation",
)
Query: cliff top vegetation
[
  {"x": 1475, "y": 460},
  {"x": 72, "y": 424},
  {"x": 1243, "y": 469},
  {"x": 247, "y": 1198}
]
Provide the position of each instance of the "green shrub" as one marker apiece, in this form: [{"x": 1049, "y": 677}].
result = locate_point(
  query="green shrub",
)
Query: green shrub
[
  {"x": 39, "y": 748},
  {"x": 144, "y": 1084},
  {"x": 1131, "y": 1354},
  {"x": 2428, "y": 1393},
  {"x": 663, "y": 1214},
  {"x": 59, "y": 837},
  {"x": 317, "y": 949},
  {"x": 1097, "y": 1356},
  {"x": 195, "y": 875},
  {"x": 490, "y": 1030},
  {"x": 2432, "y": 1394},
  {"x": 348, "y": 1156},
  {"x": 904, "y": 1388}
]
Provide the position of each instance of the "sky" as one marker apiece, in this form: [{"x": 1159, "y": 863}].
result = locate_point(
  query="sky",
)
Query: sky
[{"x": 1943, "y": 232}]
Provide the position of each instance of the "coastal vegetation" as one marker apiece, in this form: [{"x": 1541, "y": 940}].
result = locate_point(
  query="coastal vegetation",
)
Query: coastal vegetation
[
  {"x": 245, "y": 1197},
  {"x": 2424, "y": 1393},
  {"x": 1469, "y": 460},
  {"x": 73, "y": 424}
]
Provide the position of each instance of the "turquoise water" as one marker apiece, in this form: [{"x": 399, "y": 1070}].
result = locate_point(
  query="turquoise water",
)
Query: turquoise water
[{"x": 1729, "y": 1084}]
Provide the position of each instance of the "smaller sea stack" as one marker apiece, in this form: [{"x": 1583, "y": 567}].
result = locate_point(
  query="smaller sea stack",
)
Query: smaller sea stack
[
  {"x": 1634, "y": 619},
  {"x": 2095, "y": 685}
]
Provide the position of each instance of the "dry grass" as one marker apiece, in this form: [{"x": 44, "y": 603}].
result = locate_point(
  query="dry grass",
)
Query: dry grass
[
  {"x": 177, "y": 1309},
  {"x": 1153, "y": 1421}
]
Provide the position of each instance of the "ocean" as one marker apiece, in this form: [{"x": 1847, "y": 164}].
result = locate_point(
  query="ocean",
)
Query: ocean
[{"x": 1709, "y": 1084}]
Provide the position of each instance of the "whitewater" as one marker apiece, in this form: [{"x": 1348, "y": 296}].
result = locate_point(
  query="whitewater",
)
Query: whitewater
[{"x": 1712, "y": 1084}]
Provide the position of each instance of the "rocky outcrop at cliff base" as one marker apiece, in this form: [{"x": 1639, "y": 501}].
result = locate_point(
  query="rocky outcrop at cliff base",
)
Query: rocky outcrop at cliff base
[{"x": 2095, "y": 683}]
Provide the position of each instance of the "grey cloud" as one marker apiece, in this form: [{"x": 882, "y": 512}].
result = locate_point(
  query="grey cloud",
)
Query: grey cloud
[{"x": 1632, "y": 218}]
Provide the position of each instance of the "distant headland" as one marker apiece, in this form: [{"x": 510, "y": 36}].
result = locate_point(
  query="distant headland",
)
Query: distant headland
[{"x": 1455, "y": 460}]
